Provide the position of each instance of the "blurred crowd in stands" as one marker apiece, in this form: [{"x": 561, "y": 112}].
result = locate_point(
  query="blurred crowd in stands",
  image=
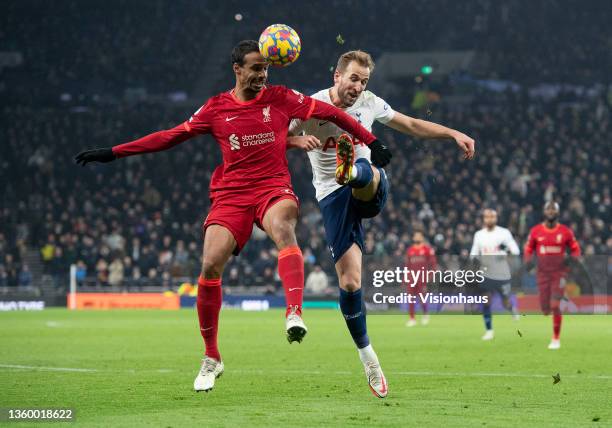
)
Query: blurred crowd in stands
[{"x": 137, "y": 222}]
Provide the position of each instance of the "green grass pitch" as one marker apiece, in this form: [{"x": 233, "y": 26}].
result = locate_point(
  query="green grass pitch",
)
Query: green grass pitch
[{"x": 139, "y": 366}]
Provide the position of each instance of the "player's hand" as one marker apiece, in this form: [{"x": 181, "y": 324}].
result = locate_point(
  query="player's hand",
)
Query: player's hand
[
  {"x": 381, "y": 155},
  {"x": 103, "y": 155},
  {"x": 466, "y": 144},
  {"x": 304, "y": 142}
]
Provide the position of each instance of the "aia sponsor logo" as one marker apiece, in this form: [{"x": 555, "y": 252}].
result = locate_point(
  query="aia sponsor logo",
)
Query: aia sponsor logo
[{"x": 330, "y": 143}]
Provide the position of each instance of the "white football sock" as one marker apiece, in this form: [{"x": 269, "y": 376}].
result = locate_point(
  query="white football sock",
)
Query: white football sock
[{"x": 367, "y": 354}]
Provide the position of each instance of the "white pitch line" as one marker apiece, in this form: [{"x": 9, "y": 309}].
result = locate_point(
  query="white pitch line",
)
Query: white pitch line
[
  {"x": 53, "y": 369},
  {"x": 316, "y": 372}
]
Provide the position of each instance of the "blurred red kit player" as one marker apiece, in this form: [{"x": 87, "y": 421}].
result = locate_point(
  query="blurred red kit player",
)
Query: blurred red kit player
[
  {"x": 549, "y": 242},
  {"x": 419, "y": 257}
]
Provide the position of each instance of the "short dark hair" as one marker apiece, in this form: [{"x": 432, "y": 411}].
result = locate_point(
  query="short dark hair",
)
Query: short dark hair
[{"x": 243, "y": 48}]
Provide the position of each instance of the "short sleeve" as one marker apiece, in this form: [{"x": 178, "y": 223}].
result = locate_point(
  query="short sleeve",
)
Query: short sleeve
[
  {"x": 382, "y": 111},
  {"x": 201, "y": 121},
  {"x": 297, "y": 105}
]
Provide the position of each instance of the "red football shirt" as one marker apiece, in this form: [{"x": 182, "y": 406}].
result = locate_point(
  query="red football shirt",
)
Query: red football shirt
[
  {"x": 550, "y": 245},
  {"x": 421, "y": 257},
  {"x": 252, "y": 135}
]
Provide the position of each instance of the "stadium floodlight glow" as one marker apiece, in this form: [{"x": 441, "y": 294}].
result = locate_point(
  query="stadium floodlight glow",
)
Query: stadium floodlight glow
[{"x": 426, "y": 69}]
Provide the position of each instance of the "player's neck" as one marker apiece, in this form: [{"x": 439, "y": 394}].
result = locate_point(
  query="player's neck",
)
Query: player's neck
[
  {"x": 244, "y": 93},
  {"x": 335, "y": 99},
  {"x": 490, "y": 228},
  {"x": 551, "y": 225}
]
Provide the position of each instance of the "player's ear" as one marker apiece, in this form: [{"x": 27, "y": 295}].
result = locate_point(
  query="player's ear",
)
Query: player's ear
[
  {"x": 236, "y": 68},
  {"x": 336, "y": 76}
]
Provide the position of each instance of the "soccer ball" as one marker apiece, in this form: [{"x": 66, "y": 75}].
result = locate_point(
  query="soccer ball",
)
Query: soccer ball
[{"x": 280, "y": 45}]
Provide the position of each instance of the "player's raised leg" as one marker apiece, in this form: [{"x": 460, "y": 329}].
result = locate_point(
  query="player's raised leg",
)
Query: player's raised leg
[
  {"x": 348, "y": 269},
  {"x": 218, "y": 246},
  {"x": 279, "y": 223},
  {"x": 358, "y": 174}
]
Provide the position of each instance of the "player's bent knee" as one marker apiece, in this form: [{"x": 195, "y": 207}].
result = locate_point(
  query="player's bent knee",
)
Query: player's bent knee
[
  {"x": 350, "y": 282},
  {"x": 211, "y": 269},
  {"x": 283, "y": 234}
]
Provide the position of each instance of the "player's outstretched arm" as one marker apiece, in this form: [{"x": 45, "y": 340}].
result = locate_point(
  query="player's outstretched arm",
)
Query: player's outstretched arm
[
  {"x": 424, "y": 129},
  {"x": 381, "y": 155},
  {"x": 155, "y": 142}
]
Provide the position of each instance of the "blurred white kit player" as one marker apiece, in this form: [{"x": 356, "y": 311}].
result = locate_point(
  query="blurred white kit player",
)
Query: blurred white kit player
[{"x": 490, "y": 249}]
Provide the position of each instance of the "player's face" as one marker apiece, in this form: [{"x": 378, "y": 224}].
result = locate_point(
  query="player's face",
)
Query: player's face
[
  {"x": 351, "y": 82},
  {"x": 418, "y": 238},
  {"x": 489, "y": 218},
  {"x": 253, "y": 74},
  {"x": 551, "y": 213}
]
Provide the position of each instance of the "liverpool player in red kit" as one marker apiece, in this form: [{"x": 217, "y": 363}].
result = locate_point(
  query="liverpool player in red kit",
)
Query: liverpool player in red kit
[
  {"x": 419, "y": 257},
  {"x": 549, "y": 241},
  {"x": 252, "y": 185}
]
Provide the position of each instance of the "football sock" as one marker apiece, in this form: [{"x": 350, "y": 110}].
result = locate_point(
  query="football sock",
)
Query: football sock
[
  {"x": 488, "y": 319},
  {"x": 361, "y": 174},
  {"x": 411, "y": 310},
  {"x": 425, "y": 308},
  {"x": 367, "y": 355},
  {"x": 208, "y": 304},
  {"x": 557, "y": 318},
  {"x": 353, "y": 310},
  {"x": 291, "y": 272}
]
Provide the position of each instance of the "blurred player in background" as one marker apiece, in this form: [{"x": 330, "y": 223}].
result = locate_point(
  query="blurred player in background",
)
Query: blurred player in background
[
  {"x": 351, "y": 184},
  {"x": 420, "y": 256},
  {"x": 490, "y": 250},
  {"x": 549, "y": 242},
  {"x": 252, "y": 185}
]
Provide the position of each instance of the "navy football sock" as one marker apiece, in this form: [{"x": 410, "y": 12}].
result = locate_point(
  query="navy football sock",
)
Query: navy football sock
[
  {"x": 352, "y": 308},
  {"x": 364, "y": 174},
  {"x": 488, "y": 319}
]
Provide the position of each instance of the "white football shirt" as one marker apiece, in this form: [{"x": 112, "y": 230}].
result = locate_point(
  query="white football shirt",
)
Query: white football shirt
[
  {"x": 487, "y": 245},
  {"x": 366, "y": 110}
]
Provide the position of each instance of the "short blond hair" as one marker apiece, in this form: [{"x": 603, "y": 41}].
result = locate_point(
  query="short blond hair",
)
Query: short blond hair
[{"x": 360, "y": 57}]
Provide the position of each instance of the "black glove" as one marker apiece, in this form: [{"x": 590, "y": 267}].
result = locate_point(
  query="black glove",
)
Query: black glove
[
  {"x": 95, "y": 155},
  {"x": 503, "y": 247},
  {"x": 381, "y": 155}
]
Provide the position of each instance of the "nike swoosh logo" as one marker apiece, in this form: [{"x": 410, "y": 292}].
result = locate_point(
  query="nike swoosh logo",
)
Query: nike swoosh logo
[
  {"x": 299, "y": 288},
  {"x": 227, "y": 119},
  {"x": 323, "y": 123},
  {"x": 206, "y": 329}
]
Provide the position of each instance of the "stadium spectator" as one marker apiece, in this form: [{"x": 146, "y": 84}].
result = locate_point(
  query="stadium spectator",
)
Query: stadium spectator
[
  {"x": 317, "y": 282},
  {"x": 547, "y": 140}
]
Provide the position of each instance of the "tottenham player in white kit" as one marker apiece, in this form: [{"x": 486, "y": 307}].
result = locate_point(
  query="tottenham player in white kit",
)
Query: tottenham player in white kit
[
  {"x": 490, "y": 248},
  {"x": 350, "y": 188}
]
